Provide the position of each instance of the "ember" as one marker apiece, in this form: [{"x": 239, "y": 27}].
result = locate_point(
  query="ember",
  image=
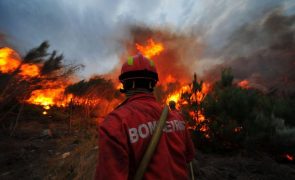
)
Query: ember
[
  {"x": 244, "y": 84},
  {"x": 238, "y": 129},
  {"x": 289, "y": 157}
]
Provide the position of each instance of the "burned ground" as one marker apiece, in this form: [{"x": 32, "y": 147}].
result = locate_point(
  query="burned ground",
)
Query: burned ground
[{"x": 44, "y": 150}]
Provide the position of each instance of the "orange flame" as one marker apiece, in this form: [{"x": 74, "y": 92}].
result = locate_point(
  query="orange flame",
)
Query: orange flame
[
  {"x": 238, "y": 129},
  {"x": 29, "y": 70},
  {"x": 151, "y": 49},
  {"x": 244, "y": 84},
  {"x": 198, "y": 116},
  {"x": 119, "y": 86},
  {"x": 49, "y": 97},
  {"x": 176, "y": 96},
  {"x": 9, "y": 60},
  {"x": 51, "y": 94}
]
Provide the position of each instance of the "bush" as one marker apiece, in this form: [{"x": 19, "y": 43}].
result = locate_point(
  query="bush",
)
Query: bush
[{"x": 242, "y": 118}]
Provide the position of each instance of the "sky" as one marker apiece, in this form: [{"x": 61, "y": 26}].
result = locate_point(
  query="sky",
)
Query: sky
[{"x": 90, "y": 31}]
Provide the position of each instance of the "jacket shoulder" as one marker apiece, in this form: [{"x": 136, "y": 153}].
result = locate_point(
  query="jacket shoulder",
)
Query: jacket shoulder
[{"x": 118, "y": 115}]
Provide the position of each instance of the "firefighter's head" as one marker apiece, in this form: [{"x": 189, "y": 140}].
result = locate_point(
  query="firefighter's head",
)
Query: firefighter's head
[{"x": 138, "y": 72}]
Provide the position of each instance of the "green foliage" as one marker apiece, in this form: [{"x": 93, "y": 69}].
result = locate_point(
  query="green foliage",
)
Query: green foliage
[
  {"x": 284, "y": 108},
  {"x": 226, "y": 78},
  {"x": 241, "y": 118},
  {"x": 192, "y": 105}
]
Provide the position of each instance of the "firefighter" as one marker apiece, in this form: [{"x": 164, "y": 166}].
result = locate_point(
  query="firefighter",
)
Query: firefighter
[
  {"x": 172, "y": 105},
  {"x": 126, "y": 132}
]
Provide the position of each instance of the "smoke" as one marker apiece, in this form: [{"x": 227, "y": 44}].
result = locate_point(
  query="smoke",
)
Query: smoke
[
  {"x": 262, "y": 51},
  {"x": 91, "y": 32},
  {"x": 181, "y": 51},
  {"x": 85, "y": 31}
]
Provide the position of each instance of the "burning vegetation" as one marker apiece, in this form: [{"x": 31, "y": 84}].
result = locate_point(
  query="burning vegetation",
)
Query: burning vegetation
[
  {"x": 221, "y": 114},
  {"x": 224, "y": 113},
  {"x": 41, "y": 79},
  {"x": 229, "y": 108}
]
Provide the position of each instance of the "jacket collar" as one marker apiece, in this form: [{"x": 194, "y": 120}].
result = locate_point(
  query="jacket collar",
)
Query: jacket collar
[
  {"x": 140, "y": 96},
  {"x": 146, "y": 96}
]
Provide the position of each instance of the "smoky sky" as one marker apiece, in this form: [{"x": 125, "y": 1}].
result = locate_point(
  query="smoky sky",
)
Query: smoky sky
[
  {"x": 263, "y": 51},
  {"x": 91, "y": 31}
]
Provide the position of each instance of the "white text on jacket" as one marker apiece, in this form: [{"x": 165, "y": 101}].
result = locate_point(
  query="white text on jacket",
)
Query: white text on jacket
[{"x": 146, "y": 129}]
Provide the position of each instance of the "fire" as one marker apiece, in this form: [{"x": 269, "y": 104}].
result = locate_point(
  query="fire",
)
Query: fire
[
  {"x": 173, "y": 97},
  {"x": 177, "y": 82},
  {"x": 9, "y": 60},
  {"x": 170, "y": 79},
  {"x": 238, "y": 129},
  {"x": 51, "y": 94},
  {"x": 176, "y": 96},
  {"x": 244, "y": 84},
  {"x": 29, "y": 70},
  {"x": 46, "y": 97},
  {"x": 289, "y": 157},
  {"x": 151, "y": 49},
  {"x": 197, "y": 115},
  {"x": 119, "y": 86},
  {"x": 204, "y": 129},
  {"x": 49, "y": 97}
]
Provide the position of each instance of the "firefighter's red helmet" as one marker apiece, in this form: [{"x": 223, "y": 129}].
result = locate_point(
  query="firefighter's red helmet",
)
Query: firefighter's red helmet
[{"x": 138, "y": 67}]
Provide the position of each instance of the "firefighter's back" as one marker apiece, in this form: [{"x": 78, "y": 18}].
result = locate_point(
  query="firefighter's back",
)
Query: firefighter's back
[{"x": 174, "y": 150}]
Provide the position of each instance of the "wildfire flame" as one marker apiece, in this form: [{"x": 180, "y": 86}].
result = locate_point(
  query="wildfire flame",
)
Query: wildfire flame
[
  {"x": 9, "y": 60},
  {"x": 244, "y": 84},
  {"x": 289, "y": 157},
  {"x": 49, "y": 97},
  {"x": 176, "y": 96},
  {"x": 238, "y": 129},
  {"x": 151, "y": 49},
  {"x": 29, "y": 70},
  {"x": 198, "y": 116},
  {"x": 51, "y": 94}
]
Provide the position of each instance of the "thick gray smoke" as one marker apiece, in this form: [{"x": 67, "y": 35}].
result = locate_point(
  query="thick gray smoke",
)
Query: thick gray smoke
[
  {"x": 91, "y": 31},
  {"x": 262, "y": 51}
]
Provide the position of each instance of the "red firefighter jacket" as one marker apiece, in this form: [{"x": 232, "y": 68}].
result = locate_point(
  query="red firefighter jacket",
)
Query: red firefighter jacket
[{"x": 125, "y": 134}]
